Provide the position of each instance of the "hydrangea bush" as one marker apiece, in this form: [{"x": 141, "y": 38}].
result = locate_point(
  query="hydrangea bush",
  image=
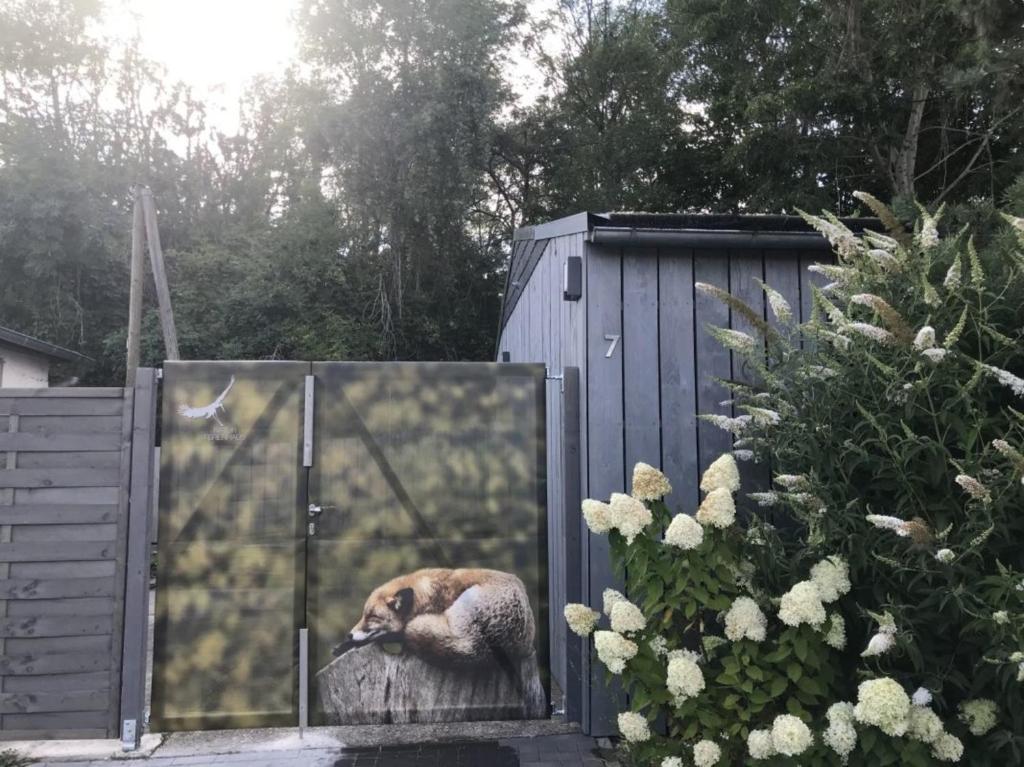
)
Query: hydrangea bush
[
  {"x": 894, "y": 423},
  {"x": 720, "y": 670}
]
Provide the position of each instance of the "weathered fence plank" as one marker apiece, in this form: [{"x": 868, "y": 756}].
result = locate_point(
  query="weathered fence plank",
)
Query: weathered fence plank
[
  {"x": 80, "y": 700},
  {"x": 64, "y": 392},
  {"x": 34, "y": 588},
  {"x": 64, "y": 625},
  {"x": 58, "y": 441},
  {"x": 41, "y": 533},
  {"x": 53, "y": 407},
  {"x": 57, "y": 552},
  {"x": 89, "y": 680},
  {"x": 57, "y": 514},
  {"x": 53, "y": 663},
  {"x": 58, "y": 478}
]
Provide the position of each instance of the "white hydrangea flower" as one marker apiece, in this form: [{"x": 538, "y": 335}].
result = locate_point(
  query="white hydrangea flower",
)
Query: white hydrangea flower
[
  {"x": 947, "y": 748},
  {"x": 629, "y": 516},
  {"x": 634, "y": 727},
  {"x": 649, "y": 484},
  {"x": 597, "y": 515},
  {"x": 613, "y": 650},
  {"x": 790, "y": 736},
  {"x": 832, "y": 577},
  {"x": 671, "y": 761},
  {"x": 745, "y": 621},
  {"x": 684, "y": 678},
  {"x": 658, "y": 645},
  {"x": 923, "y": 724},
  {"x": 921, "y": 697},
  {"x": 945, "y": 556},
  {"x": 759, "y": 744},
  {"x": 873, "y": 332},
  {"x": 723, "y": 472},
  {"x": 835, "y": 637},
  {"x": 717, "y": 509},
  {"x": 980, "y": 715},
  {"x": 581, "y": 619},
  {"x": 609, "y": 598},
  {"x": 1006, "y": 378},
  {"x": 841, "y": 735},
  {"x": 766, "y": 499},
  {"x": 802, "y": 604},
  {"x": 925, "y": 338},
  {"x": 884, "y": 704},
  {"x": 626, "y": 617},
  {"x": 706, "y": 754},
  {"x": 684, "y": 532},
  {"x": 884, "y": 522}
]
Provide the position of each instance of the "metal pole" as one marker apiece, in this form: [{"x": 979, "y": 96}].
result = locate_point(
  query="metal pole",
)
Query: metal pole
[
  {"x": 136, "y": 593},
  {"x": 303, "y": 680},
  {"x": 135, "y": 294}
]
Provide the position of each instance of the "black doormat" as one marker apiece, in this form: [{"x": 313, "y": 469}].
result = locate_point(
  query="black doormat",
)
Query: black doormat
[{"x": 468, "y": 754}]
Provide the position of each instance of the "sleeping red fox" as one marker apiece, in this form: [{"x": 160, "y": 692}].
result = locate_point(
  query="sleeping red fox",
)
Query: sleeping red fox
[{"x": 459, "y": 617}]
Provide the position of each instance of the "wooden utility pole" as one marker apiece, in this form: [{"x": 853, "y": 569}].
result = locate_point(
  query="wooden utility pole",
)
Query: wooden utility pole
[
  {"x": 156, "y": 260},
  {"x": 135, "y": 296},
  {"x": 144, "y": 224}
]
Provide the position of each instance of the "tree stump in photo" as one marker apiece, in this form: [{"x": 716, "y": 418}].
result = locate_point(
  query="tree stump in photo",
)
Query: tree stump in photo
[{"x": 370, "y": 686}]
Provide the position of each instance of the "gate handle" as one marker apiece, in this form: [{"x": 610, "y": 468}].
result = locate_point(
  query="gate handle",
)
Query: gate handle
[{"x": 316, "y": 511}]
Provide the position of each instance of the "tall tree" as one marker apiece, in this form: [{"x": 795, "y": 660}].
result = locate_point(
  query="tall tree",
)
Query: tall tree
[
  {"x": 414, "y": 88},
  {"x": 805, "y": 102}
]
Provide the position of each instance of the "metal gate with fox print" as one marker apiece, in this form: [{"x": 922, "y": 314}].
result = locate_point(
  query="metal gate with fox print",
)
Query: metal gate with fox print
[{"x": 350, "y": 543}]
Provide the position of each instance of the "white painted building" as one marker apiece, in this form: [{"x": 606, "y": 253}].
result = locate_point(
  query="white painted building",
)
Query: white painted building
[{"x": 25, "y": 361}]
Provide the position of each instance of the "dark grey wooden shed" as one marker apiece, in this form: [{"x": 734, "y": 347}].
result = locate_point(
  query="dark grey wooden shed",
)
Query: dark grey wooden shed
[{"x": 613, "y": 296}]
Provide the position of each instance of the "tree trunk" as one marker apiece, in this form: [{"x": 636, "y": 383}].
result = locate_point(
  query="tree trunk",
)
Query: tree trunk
[
  {"x": 906, "y": 159},
  {"x": 370, "y": 686}
]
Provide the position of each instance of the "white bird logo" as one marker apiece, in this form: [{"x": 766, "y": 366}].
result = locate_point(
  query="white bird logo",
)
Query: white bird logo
[{"x": 209, "y": 411}]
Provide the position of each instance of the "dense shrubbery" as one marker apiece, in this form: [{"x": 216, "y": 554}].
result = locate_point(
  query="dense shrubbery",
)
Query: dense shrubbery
[{"x": 871, "y": 613}]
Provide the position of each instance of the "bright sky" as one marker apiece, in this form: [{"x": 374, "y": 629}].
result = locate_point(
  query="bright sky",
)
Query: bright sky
[{"x": 218, "y": 46}]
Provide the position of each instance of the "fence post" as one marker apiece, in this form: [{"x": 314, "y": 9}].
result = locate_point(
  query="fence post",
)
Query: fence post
[
  {"x": 577, "y": 653},
  {"x": 136, "y": 592}
]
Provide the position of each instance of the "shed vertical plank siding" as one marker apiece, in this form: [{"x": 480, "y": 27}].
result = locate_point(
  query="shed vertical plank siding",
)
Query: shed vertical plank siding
[
  {"x": 606, "y": 447},
  {"x": 643, "y": 402},
  {"x": 641, "y": 359},
  {"x": 745, "y": 268},
  {"x": 546, "y": 329},
  {"x": 63, "y": 491},
  {"x": 678, "y": 383},
  {"x": 712, "y": 360}
]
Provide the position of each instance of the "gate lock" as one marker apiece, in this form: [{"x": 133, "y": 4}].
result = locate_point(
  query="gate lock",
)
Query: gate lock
[{"x": 314, "y": 512}]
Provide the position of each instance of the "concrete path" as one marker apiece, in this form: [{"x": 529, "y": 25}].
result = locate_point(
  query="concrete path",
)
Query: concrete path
[{"x": 409, "y": 746}]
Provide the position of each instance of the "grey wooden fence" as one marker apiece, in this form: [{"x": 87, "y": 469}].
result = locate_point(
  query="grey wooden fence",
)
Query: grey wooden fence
[{"x": 65, "y": 469}]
